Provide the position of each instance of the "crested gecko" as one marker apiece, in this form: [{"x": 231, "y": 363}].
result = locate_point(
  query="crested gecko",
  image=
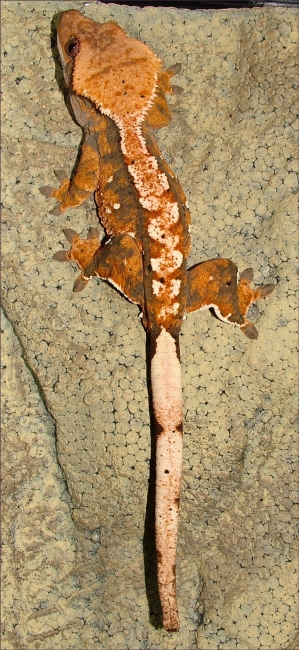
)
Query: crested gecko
[{"x": 117, "y": 90}]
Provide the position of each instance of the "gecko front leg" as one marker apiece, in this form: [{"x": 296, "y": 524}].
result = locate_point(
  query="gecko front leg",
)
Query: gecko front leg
[{"x": 74, "y": 192}]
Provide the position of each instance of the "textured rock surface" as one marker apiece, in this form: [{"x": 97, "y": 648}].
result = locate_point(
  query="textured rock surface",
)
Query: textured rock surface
[{"x": 76, "y": 443}]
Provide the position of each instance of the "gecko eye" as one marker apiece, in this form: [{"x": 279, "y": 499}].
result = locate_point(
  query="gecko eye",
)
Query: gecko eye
[{"x": 73, "y": 47}]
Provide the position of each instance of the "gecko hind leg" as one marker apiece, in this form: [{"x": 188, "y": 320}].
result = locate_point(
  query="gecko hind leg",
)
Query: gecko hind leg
[
  {"x": 81, "y": 252},
  {"x": 215, "y": 284},
  {"x": 118, "y": 261}
]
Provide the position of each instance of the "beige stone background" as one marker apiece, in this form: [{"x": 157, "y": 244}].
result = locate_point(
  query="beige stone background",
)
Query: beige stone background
[{"x": 76, "y": 438}]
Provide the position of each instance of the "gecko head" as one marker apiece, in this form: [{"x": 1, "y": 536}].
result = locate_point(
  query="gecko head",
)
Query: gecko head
[
  {"x": 75, "y": 30},
  {"x": 105, "y": 65}
]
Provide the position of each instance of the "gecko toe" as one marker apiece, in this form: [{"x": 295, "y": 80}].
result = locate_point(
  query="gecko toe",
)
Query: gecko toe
[
  {"x": 266, "y": 289},
  {"x": 177, "y": 90},
  {"x": 246, "y": 275},
  {"x": 46, "y": 191},
  {"x": 60, "y": 175},
  {"x": 175, "y": 69},
  {"x": 80, "y": 284},
  {"x": 93, "y": 233},
  {"x": 70, "y": 234},
  {"x": 249, "y": 330},
  {"x": 61, "y": 256},
  {"x": 56, "y": 211}
]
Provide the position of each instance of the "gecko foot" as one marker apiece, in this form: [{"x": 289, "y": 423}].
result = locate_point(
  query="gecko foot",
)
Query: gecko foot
[
  {"x": 46, "y": 191},
  {"x": 59, "y": 194},
  {"x": 216, "y": 284},
  {"x": 49, "y": 191},
  {"x": 247, "y": 296},
  {"x": 60, "y": 174},
  {"x": 81, "y": 252}
]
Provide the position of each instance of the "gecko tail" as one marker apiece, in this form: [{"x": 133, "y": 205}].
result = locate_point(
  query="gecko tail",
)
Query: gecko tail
[{"x": 167, "y": 408}]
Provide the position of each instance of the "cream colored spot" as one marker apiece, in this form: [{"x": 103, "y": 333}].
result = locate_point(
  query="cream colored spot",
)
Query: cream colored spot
[
  {"x": 151, "y": 203},
  {"x": 148, "y": 179},
  {"x": 172, "y": 213},
  {"x": 116, "y": 206},
  {"x": 175, "y": 287},
  {"x": 157, "y": 287},
  {"x": 168, "y": 262},
  {"x": 172, "y": 289},
  {"x": 161, "y": 234},
  {"x": 166, "y": 311}
]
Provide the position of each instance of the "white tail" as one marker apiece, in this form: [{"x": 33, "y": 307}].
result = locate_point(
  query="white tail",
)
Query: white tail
[{"x": 167, "y": 406}]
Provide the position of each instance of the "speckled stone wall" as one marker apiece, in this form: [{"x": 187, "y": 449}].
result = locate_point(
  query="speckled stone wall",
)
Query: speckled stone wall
[{"x": 76, "y": 441}]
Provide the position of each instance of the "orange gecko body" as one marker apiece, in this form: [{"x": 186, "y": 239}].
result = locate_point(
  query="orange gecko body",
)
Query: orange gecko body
[{"x": 117, "y": 91}]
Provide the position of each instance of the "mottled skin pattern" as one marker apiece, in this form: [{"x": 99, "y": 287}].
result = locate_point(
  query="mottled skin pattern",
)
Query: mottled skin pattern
[{"x": 117, "y": 92}]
